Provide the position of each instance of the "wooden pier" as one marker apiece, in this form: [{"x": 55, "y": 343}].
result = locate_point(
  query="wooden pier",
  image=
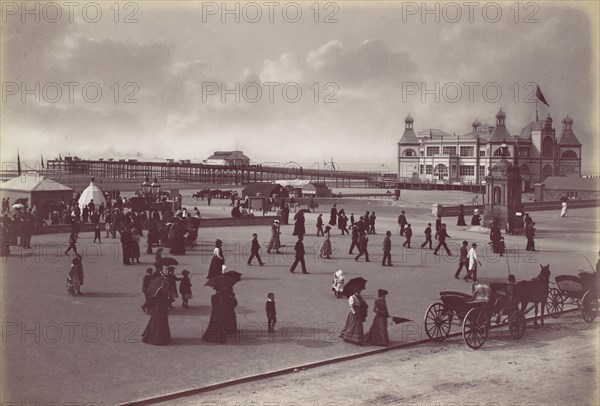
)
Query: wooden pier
[{"x": 123, "y": 170}]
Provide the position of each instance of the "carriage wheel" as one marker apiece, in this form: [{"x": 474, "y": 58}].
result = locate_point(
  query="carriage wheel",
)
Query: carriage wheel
[
  {"x": 554, "y": 304},
  {"x": 438, "y": 322},
  {"x": 517, "y": 324},
  {"x": 475, "y": 328},
  {"x": 589, "y": 306}
]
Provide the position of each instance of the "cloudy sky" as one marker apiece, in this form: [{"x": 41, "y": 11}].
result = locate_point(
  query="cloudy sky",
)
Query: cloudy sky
[{"x": 178, "y": 82}]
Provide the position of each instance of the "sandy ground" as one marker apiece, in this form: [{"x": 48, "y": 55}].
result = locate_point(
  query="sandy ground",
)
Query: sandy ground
[
  {"x": 503, "y": 372},
  {"x": 58, "y": 348}
]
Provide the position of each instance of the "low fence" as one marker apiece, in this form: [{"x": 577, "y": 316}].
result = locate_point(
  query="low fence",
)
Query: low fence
[
  {"x": 452, "y": 211},
  {"x": 258, "y": 220}
]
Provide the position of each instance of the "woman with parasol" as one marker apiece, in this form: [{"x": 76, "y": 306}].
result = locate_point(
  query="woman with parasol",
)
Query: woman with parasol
[
  {"x": 378, "y": 333},
  {"x": 353, "y": 330},
  {"x": 157, "y": 331},
  {"x": 218, "y": 260}
]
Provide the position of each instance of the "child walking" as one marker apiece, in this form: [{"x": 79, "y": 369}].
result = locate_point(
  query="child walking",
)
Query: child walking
[
  {"x": 97, "y": 235},
  {"x": 271, "y": 312},
  {"x": 185, "y": 288}
]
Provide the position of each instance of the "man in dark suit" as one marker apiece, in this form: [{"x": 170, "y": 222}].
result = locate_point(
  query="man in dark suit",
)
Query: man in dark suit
[
  {"x": 464, "y": 260},
  {"x": 402, "y": 222},
  {"x": 254, "y": 250},
  {"x": 299, "y": 248},
  {"x": 387, "y": 249},
  {"x": 427, "y": 237},
  {"x": 355, "y": 238},
  {"x": 438, "y": 226},
  {"x": 408, "y": 235},
  {"x": 442, "y": 235}
]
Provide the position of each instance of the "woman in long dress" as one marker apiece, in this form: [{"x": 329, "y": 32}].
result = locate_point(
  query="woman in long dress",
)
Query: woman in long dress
[
  {"x": 216, "y": 331},
  {"x": 378, "y": 333},
  {"x": 353, "y": 330},
  {"x": 299, "y": 220},
  {"x": 461, "y": 216},
  {"x": 157, "y": 331},
  {"x": 217, "y": 262},
  {"x": 274, "y": 243},
  {"x": 326, "y": 247},
  {"x": 230, "y": 304},
  {"x": 563, "y": 209},
  {"x": 135, "y": 245}
]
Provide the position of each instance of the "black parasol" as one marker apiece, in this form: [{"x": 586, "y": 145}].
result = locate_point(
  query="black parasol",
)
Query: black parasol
[
  {"x": 233, "y": 275},
  {"x": 219, "y": 282},
  {"x": 167, "y": 261},
  {"x": 354, "y": 284}
]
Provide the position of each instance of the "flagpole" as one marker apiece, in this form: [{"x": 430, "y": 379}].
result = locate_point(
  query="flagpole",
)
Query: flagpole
[{"x": 536, "y": 109}]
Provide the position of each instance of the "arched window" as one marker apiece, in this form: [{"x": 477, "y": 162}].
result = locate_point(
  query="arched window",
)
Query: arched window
[
  {"x": 440, "y": 169},
  {"x": 497, "y": 195},
  {"x": 409, "y": 152},
  {"x": 548, "y": 147},
  {"x": 498, "y": 152},
  {"x": 524, "y": 169},
  {"x": 547, "y": 171},
  {"x": 569, "y": 154}
]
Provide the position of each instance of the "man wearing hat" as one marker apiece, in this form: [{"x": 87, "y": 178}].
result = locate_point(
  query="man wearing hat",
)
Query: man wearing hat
[
  {"x": 387, "y": 249},
  {"x": 402, "y": 222},
  {"x": 299, "y": 248},
  {"x": 442, "y": 235},
  {"x": 427, "y": 237},
  {"x": 473, "y": 262},
  {"x": 355, "y": 236}
]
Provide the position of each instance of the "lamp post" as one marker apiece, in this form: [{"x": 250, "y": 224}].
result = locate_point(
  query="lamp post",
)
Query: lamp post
[
  {"x": 155, "y": 187},
  {"x": 146, "y": 187}
]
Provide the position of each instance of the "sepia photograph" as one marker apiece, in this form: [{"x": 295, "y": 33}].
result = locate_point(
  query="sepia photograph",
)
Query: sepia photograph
[{"x": 310, "y": 202}]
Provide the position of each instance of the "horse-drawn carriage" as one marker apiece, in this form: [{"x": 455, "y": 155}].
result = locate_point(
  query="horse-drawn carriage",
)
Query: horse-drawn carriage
[
  {"x": 582, "y": 290},
  {"x": 492, "y": 301}
]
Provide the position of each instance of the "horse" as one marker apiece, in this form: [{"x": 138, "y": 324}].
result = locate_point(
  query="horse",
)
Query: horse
[{"x": 534, "y": 291}]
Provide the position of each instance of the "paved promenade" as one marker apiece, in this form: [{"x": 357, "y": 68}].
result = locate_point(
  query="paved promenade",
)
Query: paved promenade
[{"x": 58, "y": 348}]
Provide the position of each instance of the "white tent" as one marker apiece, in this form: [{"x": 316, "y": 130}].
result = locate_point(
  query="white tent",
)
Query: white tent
[{"x": 91, "y": 192}]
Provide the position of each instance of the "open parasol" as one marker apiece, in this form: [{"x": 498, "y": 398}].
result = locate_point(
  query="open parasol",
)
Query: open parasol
[
  {"x": 219, "y": 282},
  {"x": 167, "y": 261},
  {"x": 233, "y": 275},
  {"x": 352, "y": 285}
]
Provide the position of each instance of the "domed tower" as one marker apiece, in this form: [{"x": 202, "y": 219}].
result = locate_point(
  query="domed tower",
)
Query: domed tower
[
  {"x": 408, "y": 151},
  {"x": 500, "y": 136},
  {"x": 502, "y": 192},
  {"x": 569, "y": 150}
]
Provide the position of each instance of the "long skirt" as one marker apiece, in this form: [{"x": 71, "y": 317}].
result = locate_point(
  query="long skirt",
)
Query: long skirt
[
  {"x": 353, "y": 330},
  {"x": 378, "y": 333},
  {"x": 216, "y": 331},
  {"x": 274, "y": 243},
  {"x": 216, "y": 267},
  {"x": 326, "y": 249},
  {"x": 134, "y": 250},
  {"x": 157, "y": 331}
]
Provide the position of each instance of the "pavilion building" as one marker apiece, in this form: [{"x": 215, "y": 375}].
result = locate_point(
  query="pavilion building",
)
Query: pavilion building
[{"x": 435, "y": 155}]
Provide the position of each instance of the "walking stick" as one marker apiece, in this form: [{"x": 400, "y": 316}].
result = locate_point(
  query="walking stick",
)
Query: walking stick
[{"x": 508, "y": 265}]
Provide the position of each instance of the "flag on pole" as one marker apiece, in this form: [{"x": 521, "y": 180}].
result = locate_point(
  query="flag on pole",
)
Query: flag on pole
[
  {"x": 59, "y": 157},
  {"x": 18, "y": 164},
  {"x": 42, "y": 160},
  {"x": 540, "y": 95}
]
